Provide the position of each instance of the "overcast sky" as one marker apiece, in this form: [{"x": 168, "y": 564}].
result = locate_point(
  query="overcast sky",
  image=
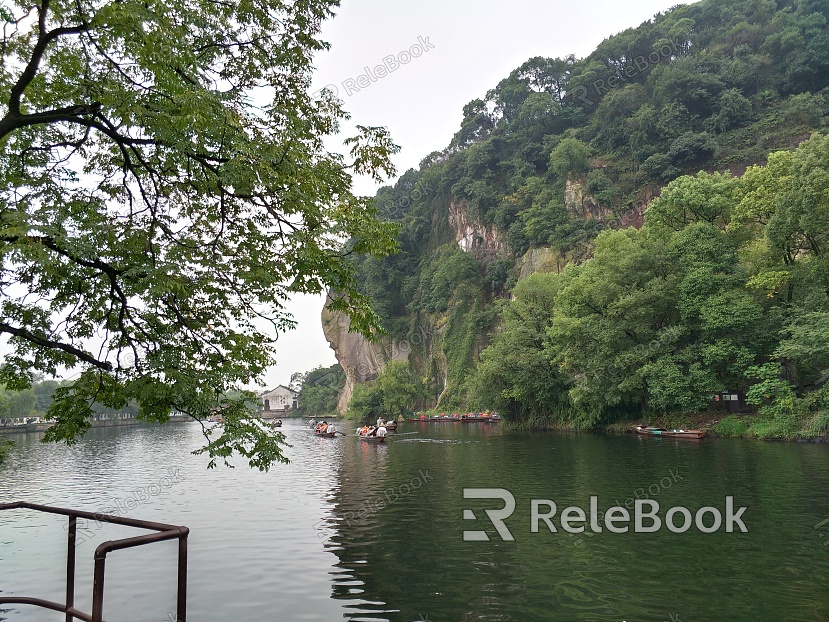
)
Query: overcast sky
[{"x": 472, "y": 45}]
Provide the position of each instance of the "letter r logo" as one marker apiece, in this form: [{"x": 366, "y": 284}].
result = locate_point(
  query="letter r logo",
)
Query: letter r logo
[{"x": 497, "y": 517}]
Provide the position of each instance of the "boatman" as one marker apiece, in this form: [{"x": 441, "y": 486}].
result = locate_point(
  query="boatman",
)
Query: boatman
[{"x": 381, "y": 431}]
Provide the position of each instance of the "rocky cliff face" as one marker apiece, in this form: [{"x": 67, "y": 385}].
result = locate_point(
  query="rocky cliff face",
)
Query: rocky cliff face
[
  {"x": 361, "y": 359},
  {"x": 542, "y": 259},
  {"x": 581, "y": 203},
  {"x": 584, "y": 205},
  {"x": 472, "y": 236}
]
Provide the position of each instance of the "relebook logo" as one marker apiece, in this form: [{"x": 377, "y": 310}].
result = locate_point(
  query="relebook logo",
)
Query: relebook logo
[{"x": 646, "y": 517}]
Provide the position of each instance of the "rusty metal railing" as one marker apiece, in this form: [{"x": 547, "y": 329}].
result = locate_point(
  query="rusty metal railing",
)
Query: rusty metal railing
[{"x": 163, "y": 532}]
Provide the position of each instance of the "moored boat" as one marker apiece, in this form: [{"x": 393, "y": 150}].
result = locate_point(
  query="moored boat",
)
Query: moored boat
[
  {"x": 481, "y": 418},
  {"x": 655, "y": 431},
  {"x": 437, "y": 419},
  {"x": 454, "y": 418}
]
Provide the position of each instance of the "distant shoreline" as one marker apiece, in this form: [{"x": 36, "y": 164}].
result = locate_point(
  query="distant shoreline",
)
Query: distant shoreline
[{"x": 104, "y": 423}]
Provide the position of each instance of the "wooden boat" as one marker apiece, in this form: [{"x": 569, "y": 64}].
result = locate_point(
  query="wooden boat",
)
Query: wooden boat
[
  {"x": 326, "y": 434},
  {"x": 654, "y": 431},
  {"x": 437, "y": 419},
  {"x": 277, "y": 423},
  {"x": 373, "y": 439},
  {"x": 479, "y": 418},
  {"x": 391, "y": 425}
]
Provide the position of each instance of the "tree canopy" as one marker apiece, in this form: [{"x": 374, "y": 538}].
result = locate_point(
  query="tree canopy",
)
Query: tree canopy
[{"x": 164, "y": 188}]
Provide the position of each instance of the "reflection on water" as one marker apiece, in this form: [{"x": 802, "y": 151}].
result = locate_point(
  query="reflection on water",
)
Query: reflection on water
[{"x": 357, "y": 531}]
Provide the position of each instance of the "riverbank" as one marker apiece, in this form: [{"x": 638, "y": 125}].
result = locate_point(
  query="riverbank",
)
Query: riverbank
[
  {"x": 814, "y": 429},
  {"x": 104, "y": 423}
]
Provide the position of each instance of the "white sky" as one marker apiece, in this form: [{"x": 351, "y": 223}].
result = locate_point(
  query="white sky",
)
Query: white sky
[{"x": 477, "y": 43}]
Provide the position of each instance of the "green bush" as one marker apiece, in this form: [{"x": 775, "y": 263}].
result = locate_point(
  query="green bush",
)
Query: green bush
[
  {"x": 774, "y": 428},
  {"x": 731, "y": 426},
  {"x": 735, "y": 111},
  {"x": 692, "y": 148},
  {"x": 656, "y": 165},
  {"x": 570, "y": 158},
  {"x": 817, "y": 426},
  {"x": 601, "y": 187}
]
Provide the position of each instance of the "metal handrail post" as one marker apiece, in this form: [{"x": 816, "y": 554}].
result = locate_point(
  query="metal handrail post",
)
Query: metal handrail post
[
  {"x": 70, "y": 566},
  {"x": 181, "y": 605},
  {"x": 163, "y": 533},
  {"x": 98, "y": 589}
]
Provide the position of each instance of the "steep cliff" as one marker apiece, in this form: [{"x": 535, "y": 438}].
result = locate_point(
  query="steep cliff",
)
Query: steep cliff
[
  {"x": 472, "y": 236},
  {"x": 547, "y": 161},
  {"x": 361, "y": 359}
]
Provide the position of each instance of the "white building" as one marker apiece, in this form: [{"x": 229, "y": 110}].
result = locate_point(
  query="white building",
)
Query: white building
[{"x": 279, "y": 399}]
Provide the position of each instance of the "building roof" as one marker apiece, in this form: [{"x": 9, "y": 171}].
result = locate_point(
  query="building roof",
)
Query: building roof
[{"x": 281, "y": 386}]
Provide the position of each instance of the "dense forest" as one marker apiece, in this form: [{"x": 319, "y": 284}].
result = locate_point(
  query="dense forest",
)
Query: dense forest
[{"x": 627, "y": 234}]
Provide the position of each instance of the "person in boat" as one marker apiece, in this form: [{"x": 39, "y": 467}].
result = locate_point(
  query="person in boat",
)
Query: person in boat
[
  {"x": 372, "y": 431},
  {"x": 379, "y": 421},
  {"x": 363, "y": 431},
  {"x": 381, "y": 431}
]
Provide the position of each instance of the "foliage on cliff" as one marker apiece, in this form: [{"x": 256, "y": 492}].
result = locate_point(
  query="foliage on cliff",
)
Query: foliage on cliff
[
  {"x": 725, "y": 287},
  {"x": 562, "y": 149}
]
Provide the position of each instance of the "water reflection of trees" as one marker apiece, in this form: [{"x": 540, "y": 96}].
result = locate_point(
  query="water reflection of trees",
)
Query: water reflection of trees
[{"x": 397, "y": 534}]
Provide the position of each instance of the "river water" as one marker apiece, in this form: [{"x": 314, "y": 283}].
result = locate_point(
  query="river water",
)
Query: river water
[{"x": 350, "y": 531}]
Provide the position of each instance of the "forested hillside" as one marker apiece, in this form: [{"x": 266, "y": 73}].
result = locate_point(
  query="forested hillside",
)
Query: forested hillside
[{"x": 540, "y": 275}]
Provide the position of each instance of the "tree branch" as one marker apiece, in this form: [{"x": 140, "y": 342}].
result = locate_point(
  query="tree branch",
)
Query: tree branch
[
  {"x": 44, "y": 39},
  {"x": 57, "y": 345}
]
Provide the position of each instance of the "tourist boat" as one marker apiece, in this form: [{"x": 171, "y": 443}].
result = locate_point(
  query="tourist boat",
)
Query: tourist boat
[
  {"x": 372, "y": 439},
  {"x": 654, "y": 431},
  {"x": 468, "y": 418},
  {"x": 437, "y": 419},
  {"x": 481, "y": 418},
  {"x": 277, "y": 423},
  {"x": 390, "y": 425},
  {"x": 325, "y": 434}
]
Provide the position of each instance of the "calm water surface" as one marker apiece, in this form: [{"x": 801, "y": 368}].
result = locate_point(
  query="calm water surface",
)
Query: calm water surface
[{"x": 349, "y": 531}]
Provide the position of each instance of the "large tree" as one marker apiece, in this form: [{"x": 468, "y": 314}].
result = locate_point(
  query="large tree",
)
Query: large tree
[{"x": 164, "y": 188}]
